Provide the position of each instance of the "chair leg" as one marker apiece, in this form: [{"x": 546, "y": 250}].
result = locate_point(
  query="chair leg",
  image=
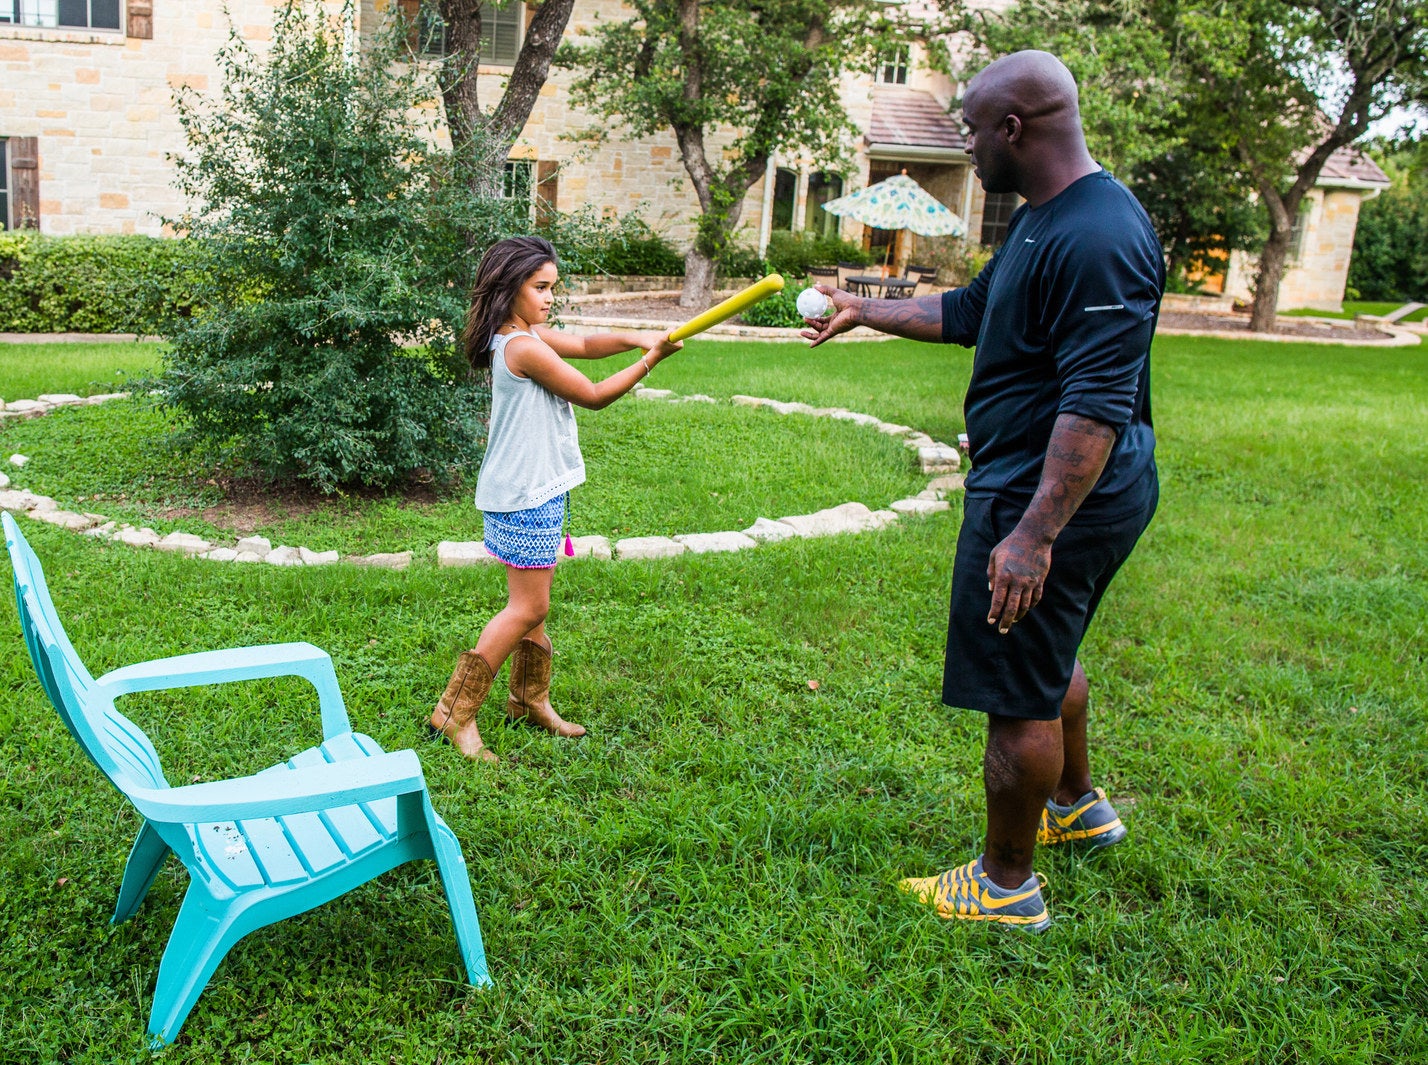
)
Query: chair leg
[
  {"x": 200, "y": 940},
  {"x": 146, "y": 858},
  {"x": 456, "y": 882}
]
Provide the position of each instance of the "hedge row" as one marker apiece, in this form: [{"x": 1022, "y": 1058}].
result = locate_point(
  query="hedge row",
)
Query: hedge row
[{"x": 99, "y": 284}]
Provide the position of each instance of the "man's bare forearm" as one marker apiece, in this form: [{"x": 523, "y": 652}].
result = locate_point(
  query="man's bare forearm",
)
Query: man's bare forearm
[
  {"x": 919, "y": 319},
  {"x": 1075, "y": 457}
]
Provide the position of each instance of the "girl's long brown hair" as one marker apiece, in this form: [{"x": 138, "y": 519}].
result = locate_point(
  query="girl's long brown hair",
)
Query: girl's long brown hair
[{"x": 504, "y": 268}]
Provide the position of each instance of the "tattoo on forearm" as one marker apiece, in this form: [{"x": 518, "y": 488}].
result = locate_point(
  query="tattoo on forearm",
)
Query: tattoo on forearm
[{"x": 919, "y": 318}]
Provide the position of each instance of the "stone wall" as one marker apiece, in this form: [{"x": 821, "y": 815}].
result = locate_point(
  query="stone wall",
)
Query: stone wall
[{"x": 1316, "y": 279}]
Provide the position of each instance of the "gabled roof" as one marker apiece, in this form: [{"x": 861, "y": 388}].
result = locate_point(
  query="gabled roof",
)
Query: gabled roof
[
  {"x": 910, "y": 123},
  {"x": 1350, "y": 168}
]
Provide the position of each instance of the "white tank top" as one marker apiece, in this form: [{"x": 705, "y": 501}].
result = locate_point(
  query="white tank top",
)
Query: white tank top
[{"x": 532, "y": 449}]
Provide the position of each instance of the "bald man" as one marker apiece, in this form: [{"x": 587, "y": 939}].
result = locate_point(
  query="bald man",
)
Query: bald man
[{"x": 1063, "y": 478}]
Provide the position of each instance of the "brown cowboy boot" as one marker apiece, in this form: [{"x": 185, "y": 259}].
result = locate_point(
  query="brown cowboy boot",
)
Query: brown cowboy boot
[
  {"x": 530, "y": 691},
  {"x": 454, "y": 718}
]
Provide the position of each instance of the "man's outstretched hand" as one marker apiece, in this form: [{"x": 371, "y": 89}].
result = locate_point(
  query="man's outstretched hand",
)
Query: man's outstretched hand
[{"x": 843, "y": 318}]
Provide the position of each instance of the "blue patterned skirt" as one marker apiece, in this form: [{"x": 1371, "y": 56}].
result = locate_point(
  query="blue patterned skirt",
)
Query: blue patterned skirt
[{"x": 526, "y": 539}]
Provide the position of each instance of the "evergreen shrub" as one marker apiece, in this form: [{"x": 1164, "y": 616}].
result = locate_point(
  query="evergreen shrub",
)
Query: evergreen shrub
[
  {"x": 93, "y": 284},
  {"x": 791, "y": 254}
]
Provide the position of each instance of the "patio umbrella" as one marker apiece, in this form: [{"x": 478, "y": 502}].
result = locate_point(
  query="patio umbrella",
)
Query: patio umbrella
[{"x": 898, "y": 202}]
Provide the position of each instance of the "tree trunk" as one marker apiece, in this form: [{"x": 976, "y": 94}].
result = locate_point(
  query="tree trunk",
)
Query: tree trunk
[
  {"x": 698, "y": 291},
  {"x": 480, "y": 141},
  {"x": 1275, "y": 256}
]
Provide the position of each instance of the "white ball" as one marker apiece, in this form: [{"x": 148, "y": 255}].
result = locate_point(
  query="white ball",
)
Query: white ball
[{"x": 812, "y": 303}]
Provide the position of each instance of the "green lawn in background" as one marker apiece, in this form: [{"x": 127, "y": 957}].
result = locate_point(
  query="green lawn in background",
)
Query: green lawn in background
[
  {"x": 1353, "y": 308},
  {"x": 709, "y": 875},
  {"x": 30, "y": 370}
]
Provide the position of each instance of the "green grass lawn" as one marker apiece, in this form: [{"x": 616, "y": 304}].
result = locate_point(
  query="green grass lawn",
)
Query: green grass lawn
[
  {"x": 1353, "y": 308},
  {"x": 710, "y": 874}
]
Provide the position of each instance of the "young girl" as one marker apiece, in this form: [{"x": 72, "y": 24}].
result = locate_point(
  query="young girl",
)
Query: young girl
[{"x": 532, "y": 461}]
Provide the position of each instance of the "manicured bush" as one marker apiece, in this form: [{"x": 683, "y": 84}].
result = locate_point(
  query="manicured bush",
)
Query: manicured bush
[
  {"x": 778, "y": 310},
  {"x": 739, "y": 261},
  {"x": 791, "y": 254},
  {"x": 93, "y": 284},
  {"x": 631, "y": 247}
]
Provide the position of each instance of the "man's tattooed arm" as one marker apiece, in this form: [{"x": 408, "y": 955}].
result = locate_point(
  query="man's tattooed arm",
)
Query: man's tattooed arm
[
  {"x": 918, "y": 319},
  {"x": 1016, "y": 571}
]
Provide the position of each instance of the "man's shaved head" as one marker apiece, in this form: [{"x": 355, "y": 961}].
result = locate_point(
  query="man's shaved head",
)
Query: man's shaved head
[
  {"x": 1023, "y": 122},
  {"x": 1030, "y": 85}
]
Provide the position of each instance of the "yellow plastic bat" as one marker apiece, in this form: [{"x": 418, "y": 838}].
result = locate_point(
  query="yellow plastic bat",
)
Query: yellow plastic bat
[{"x": 740, "y": 301}]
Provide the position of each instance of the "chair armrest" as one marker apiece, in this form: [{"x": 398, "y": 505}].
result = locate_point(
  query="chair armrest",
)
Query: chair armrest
[
  {"x": 236, "y": 664},
  {"x": 275, "y": 794}
]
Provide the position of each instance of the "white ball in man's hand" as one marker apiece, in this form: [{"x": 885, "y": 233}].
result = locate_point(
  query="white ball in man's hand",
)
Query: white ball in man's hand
[{"x": 813, "y": 304}]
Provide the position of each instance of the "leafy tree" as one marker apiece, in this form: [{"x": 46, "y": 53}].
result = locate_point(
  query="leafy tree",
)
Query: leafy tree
[
  {"x": 1390, "y": 260},
  {"x": 1142, "y": 121},
  {"x": 736, "y": 81},
  {"x": 1223, "y": 115},
  {"x": 481, "y": 139},
  {"x": 324, "y": 224}
]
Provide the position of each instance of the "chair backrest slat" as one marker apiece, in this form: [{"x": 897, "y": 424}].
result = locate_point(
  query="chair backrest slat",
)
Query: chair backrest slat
[{"x": 112, "y": 742}]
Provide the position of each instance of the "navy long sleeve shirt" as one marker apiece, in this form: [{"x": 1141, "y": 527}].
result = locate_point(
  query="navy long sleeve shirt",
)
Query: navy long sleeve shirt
[{"x": 1062, "y": 319}]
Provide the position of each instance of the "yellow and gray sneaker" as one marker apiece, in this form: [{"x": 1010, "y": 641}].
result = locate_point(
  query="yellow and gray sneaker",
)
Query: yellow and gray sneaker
[
  {"x": 967, "y": 894},
  {"x": 1091, "y": 820}
]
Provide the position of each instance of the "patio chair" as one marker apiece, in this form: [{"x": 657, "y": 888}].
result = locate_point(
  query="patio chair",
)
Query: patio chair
[
  {"x": 824, "y": 275},
  {"x": 260, "y": 848},
  {"x": 846, "y": 270},
  {"x": 923, "y": 287},
  {"x": 915, "y": 273}
]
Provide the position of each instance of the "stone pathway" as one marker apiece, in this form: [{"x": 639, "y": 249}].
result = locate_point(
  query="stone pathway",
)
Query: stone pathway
[{"x": 937, "y": 460}]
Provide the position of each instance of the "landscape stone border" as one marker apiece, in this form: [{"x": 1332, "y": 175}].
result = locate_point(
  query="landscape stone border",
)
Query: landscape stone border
[{"x": 937, "y": 460}]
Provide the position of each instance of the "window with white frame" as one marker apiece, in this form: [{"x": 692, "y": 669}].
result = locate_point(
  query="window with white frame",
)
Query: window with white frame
[
  {"x": 892, "y": 66},
  {"x": 63, "y": 14},
  {"x": 996, "y": 217},
  {"x": 501, "y": 29},
  {"x": 518, "y": 182}
]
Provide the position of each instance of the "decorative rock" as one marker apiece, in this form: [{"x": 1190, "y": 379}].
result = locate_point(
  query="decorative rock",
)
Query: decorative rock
[
  {"x": 106, "y": 397},
  {"x": 697, "y": 397},
  {"x": 855, "y": 417},
  {"x": 591, "y": 547},
  {"x": 700, "y": 543},
  {"x": 769, "y": 532},
  {"x": 187, "y": 543},
  {"x": 787, "y": 408},
  {"x": 136, "y": 537},
  {"x": 257, "y": 545},
  {"x": 918, "y": 440},
  {"x": 31, "y": 408},
  {"x": 60, "y": 399},
  {"x": 747, "y": 401},
  {"x": 468, "y": 553},
  {"x": 283, "y": 556},
  {"x": 893, "y": 430},
  {"x": 317, "y": 558},
  {"x": 939, "y": 458},
  {"x": 919, "y": 506},
  {"x": 65, "y": 519},
  {"x": 220, "y": 554},
  {"x": 952, "y": 482},
  {"x": 248, "y": 556},
  {"x": 18, "y": 460},
  {"x": 845, "y": 518},
  {"x": 648, "y": 547},
  {"x": 15, "y": 499},
  {"x": 4, "y": 481},
  {"x": 385, "y": 560},
  {"x": 103, "y": 531},
  {"x": 654, "y": 393}
]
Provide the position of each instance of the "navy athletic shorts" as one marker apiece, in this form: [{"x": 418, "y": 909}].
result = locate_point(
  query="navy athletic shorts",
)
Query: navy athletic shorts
[{"x": 1026, "y": 672}]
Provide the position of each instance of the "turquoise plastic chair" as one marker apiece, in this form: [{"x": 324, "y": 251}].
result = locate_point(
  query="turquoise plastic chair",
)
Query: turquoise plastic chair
[{"x": 260, "y": 848}]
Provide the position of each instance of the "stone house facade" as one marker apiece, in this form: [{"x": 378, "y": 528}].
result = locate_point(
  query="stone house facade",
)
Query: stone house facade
[{"x": 87, "y": 125}]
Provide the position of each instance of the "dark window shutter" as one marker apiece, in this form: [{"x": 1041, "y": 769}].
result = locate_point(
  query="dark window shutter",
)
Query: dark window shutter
[
  {"x": 25, "y": 178},
  {"x": 547, "y": 182},
  {"x": 140, "y": 23}
]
